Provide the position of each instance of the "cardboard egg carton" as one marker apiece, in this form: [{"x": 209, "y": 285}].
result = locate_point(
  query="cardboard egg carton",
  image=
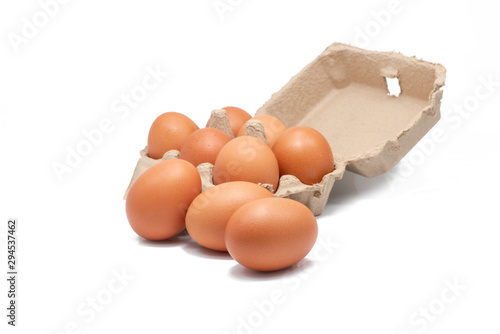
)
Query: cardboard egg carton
[{"x": 343, "y": 94}]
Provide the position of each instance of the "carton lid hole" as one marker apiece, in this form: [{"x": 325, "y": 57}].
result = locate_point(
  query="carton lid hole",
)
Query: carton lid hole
[{"x": 393, "y": 87}]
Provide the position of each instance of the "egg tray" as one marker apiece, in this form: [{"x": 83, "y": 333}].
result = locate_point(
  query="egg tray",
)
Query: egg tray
[
  {"x": 343, "y": 94},
  {"x": 313, "y": 196}
]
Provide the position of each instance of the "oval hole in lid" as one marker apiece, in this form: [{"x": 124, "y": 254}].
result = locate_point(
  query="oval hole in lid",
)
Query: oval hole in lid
[{"x": 393, "y": 87}]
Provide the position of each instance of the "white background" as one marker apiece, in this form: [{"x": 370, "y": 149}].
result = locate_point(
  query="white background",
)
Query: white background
[{"x": 399, "y": 243}]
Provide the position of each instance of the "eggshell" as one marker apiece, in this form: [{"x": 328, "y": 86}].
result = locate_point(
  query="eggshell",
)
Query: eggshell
[
  {"x": 203, "y": 146},
  {"x": 237, "y": 118},
  {"x": 209, "y": 213},
  {"x": 158, "y": 200},
  {"x": 246, "y": 159},
  {"x": 305, "y": 153},
  {"x": 168, "y": 132},
  {"x": 273, "y": 128},
  {"x": 271, "y": 233}
]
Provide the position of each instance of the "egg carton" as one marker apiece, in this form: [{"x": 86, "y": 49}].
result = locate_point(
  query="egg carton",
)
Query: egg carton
[{"x": 343, "y": 94}]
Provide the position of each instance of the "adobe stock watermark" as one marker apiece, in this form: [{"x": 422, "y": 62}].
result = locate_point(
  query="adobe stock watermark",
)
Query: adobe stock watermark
[
  {"x": 265, "y": 308},
  {"x": 31, "y": 26},
  {"x": 121, "y": 108},
  {"x": 420, "y": 320},
  {"x": 453, "y": 118},
  {"x": 380, "y": 19},
  {"x": 222, "y": 7},
  {"x": 88, "y": 310}
]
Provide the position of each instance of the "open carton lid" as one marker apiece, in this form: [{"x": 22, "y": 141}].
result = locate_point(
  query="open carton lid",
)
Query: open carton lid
[{"x": 343, "y": 94}]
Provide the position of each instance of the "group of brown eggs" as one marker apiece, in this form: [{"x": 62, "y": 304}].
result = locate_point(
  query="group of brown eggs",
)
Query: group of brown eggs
[{"x": 239, "y": 214}]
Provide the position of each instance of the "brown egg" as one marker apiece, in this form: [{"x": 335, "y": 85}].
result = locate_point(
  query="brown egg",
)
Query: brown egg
[
  {"x": 168, "y": 132},
  {"x": 246, "y": 159},
  {"x": 158, "y": 200},
  {"x": 237, "y": 118},
  {"x": 304, "y": 152},
  {"x": 209, "y": 213},
  {"x": 271, "y": 233},
  {"x": 203, "y": 146},
  {"x": 273, "y": 128}
]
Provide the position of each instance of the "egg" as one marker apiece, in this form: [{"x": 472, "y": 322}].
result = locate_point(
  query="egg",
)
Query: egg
[
  {"x": 271, "y": 233},
  {"x": 209, "y": 213},
  {"x": 246, "y": 159},
  {"x": 203, "y": 146},
  {"x": 158, "y": 200},
  {"x": 273, "y": 128},
  {"x": 237, "y": 118},
  {"x": 168, "y": 132},
  {"x": 305, "y": 153}
]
